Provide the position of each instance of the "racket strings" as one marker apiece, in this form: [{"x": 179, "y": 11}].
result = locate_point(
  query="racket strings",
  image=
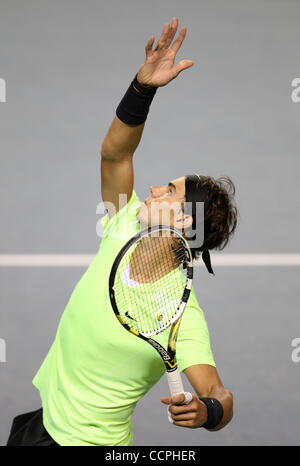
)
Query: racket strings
[{"x": 158, "y": 283}]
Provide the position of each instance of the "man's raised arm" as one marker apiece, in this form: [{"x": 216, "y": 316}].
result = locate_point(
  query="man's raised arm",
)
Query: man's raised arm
[
  {"x": 125, "y": 131},
  {"x": 117, "y": 151}
]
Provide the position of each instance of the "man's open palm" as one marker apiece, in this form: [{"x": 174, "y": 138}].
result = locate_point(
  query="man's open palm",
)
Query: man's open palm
[{"x": 159, "y": 69}]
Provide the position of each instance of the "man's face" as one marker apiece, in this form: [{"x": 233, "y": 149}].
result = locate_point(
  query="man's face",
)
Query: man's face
[{"x": 163, "y": 206}]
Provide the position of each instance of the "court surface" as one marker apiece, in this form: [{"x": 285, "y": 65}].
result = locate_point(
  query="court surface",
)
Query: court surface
[{"x": 66, "y": 67}]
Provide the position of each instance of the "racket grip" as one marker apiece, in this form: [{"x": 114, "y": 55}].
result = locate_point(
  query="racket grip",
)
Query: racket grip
[{"x": 175, "y": 382}]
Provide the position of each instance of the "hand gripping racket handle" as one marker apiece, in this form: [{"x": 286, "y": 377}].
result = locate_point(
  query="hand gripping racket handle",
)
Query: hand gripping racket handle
[{"x": 175, "y": 382}]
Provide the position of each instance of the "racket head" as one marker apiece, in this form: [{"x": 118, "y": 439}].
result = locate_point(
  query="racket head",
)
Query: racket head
[{"x": 151, "y": 280}]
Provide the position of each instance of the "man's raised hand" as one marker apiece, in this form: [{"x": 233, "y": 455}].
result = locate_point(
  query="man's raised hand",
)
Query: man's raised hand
[{"x": 158, "y": 69}]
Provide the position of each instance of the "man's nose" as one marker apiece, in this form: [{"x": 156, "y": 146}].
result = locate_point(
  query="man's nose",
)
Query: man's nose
[
  {"x": 155, "y": 191},
  {"x": 158, "y": 191}
]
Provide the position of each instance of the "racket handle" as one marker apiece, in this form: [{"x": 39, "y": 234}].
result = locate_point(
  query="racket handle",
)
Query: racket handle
[{"x": 175, "y": 382}]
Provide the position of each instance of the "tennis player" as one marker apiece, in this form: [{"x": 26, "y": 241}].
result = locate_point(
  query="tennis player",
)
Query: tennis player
[{"x": 95, "y": 372}]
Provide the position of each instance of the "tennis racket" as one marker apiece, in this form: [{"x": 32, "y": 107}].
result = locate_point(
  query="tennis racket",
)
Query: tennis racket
[{"x": 149, "y": 286}]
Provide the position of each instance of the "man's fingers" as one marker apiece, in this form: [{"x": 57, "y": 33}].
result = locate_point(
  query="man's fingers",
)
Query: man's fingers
[
  {"x": 191, "y": 416},
  {"x": 149, "y": 45},
  {"x": 166, "y": 400},
  {"x": 183, "y": 420},
  {"x": 172, "y": 32},
  {"x": 181, "y": 409},
  {"x": 182, "y": 65},
  {"x": 182, "y": 398},
  {"x": 163, "y": 37},
  {"x": 190, "y": 424},
  {"x": 177, "y": 44},
  {"x": 178, "y": 399}
]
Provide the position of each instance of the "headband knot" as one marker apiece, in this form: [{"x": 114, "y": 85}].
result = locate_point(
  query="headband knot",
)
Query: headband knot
[{"x": 206, "y": 260}]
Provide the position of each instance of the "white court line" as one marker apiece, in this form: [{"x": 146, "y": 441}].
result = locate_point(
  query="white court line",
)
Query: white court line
[
  {"x": 45, "y": 260},
  {"x": 83, "y": 260}
]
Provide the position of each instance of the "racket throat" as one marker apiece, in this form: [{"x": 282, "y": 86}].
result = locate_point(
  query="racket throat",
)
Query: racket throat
[
  {"x": 163, "y": 353},
  {"x": 168, "y": 357},
  {"x": 171, "y": 365}
]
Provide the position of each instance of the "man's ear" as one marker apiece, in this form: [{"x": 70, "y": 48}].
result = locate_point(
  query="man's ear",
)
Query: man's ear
[{"x": 183, "y": 221}]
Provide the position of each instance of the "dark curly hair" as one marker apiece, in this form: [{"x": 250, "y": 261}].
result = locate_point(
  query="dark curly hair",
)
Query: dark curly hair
[{"x": 220, "y": 211}]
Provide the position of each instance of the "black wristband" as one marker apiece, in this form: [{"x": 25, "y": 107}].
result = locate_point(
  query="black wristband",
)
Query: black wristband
[
  {"x": 214, "y": 412},
  {"x": 134, "y": 107}
]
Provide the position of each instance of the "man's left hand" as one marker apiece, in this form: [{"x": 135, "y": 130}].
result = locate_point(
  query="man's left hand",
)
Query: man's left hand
[{"x": 191, "y": 415}]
